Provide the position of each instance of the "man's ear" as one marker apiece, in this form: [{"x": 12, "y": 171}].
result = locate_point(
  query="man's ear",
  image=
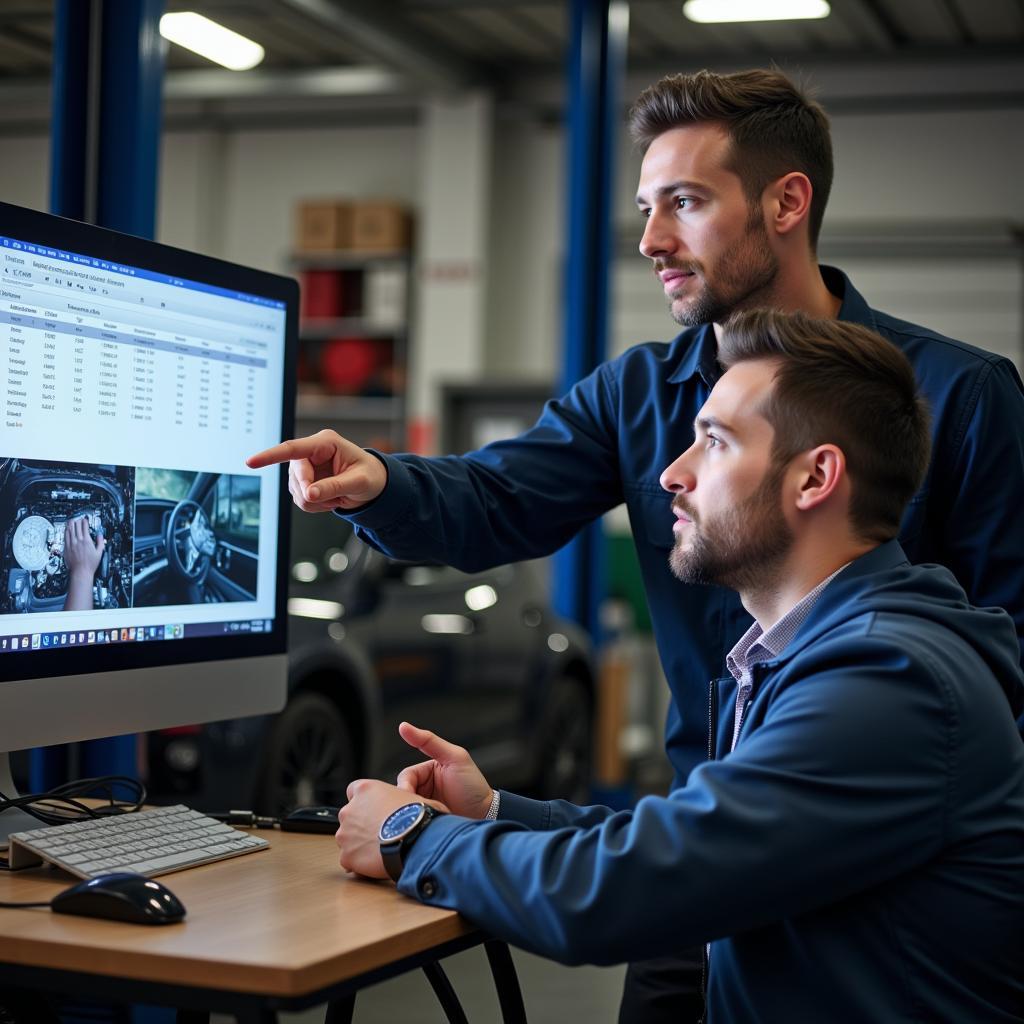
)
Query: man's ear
[
  {"x": 823, "y": 471},
  {"x": 789, "y": 202}
]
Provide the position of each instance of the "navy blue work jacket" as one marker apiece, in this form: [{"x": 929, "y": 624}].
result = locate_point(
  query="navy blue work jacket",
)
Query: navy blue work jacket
[
  {"x": 608, "y": 440},
  {"x": 859, "y": 855}
]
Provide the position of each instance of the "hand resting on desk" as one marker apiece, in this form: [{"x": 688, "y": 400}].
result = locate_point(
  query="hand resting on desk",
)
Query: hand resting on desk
[
  {"x": 449, "y": 781},
  {"x": 370, "y": 801}
]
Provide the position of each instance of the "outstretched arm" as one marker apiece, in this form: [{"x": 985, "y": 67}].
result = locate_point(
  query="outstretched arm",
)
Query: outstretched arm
[
  {"x": 516, "y": 499},
  {"x": 326, "y": 472}
]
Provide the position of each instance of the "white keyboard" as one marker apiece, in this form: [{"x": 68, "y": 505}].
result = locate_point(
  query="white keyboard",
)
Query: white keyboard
[{"x": 151, "y": 842}]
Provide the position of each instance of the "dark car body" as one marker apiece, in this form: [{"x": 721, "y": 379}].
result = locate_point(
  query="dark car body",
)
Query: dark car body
[{"x": 479, "y": 659}]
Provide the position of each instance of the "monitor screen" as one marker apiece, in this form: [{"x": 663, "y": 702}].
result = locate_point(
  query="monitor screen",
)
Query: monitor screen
[{"x": 143, "y": 565}]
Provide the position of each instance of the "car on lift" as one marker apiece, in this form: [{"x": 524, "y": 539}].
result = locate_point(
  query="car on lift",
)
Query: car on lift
[{"x": 479, "y": 658}]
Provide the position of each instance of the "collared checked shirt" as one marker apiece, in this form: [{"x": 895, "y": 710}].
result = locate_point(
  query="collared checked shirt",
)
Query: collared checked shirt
[{"x": 758, "y": 645}]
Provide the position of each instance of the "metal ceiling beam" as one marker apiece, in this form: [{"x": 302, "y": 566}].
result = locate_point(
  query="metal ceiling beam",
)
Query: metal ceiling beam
[
  {"x": 957, "y": 17},
  {"x": 885, "y": 21},
  {"x": 220, "y": 85},
  {"x": 391, "y": 41},
  {"x": 228, "y": 85},
  {"x": 28, "y": 43}
]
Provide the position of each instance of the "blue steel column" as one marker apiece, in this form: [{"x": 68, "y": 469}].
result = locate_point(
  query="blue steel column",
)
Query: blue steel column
[
  {"x": 131, "y": 72},
  {"x": 70, "y": 108},
  {"x": 107, "y": 82},
  {"x": 596, "y": 58}
]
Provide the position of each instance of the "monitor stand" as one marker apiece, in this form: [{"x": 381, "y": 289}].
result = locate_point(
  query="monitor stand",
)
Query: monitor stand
[{"x": 14, "y": 819}]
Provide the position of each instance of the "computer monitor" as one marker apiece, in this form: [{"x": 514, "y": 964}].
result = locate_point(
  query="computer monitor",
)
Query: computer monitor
[{"x": 143, "y": 576}]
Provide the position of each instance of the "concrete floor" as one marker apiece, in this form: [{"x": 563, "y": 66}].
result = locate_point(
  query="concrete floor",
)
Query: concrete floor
[{"x": 553, "y": 994}]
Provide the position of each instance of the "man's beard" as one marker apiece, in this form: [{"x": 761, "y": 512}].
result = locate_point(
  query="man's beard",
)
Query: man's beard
[
  {"x": 743, "y": 275},
  {"x": 742, "y": 548}
]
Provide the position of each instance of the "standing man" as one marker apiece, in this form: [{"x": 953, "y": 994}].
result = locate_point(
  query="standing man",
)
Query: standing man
[
  {"x": 733, "y": 185},
  {"x": 854, "y": 848}
]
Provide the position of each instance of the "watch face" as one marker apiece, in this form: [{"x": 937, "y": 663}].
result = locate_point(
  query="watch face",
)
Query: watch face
[{"x": 397, "y": 823}]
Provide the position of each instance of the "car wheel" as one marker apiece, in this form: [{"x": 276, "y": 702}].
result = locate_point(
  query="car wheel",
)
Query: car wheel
[
  {"x": 566, "y": 745},
  {"x": 310, "y": 757}
]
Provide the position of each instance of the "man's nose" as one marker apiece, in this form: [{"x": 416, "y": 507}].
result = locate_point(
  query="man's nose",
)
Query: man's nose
[
  {"x": 658, "y": 239},
  {"x": 678, "y": 477}
]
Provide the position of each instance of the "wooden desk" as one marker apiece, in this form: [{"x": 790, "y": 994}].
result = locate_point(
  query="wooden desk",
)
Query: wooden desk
[{"x": 283, "y": 928}]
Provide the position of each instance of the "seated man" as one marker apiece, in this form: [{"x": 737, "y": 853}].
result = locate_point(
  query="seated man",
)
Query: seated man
[{"x": 854, "y": 848}]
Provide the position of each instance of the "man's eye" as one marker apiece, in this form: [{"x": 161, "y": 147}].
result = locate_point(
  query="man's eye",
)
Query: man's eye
[
  {"x": 645, "y": 213},
  {"x": 713, "y": 441},
  {"x": 684, "y": 202}
]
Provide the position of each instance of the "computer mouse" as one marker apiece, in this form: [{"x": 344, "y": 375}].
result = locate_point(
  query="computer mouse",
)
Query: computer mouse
[
  {"x": 121, "y": 896},
  {"x": 311, "y": 819}
]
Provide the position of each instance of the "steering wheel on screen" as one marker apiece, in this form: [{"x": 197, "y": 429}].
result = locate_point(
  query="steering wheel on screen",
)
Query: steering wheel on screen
[{"x": 190, "y": 541}]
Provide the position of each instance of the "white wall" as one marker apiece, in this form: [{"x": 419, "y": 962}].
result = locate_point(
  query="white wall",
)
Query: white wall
[
  {"x": 527, "y": 225},
  {"x": 250, "y": 182},
  {"x": 25, "y": 171},
  {"x": 232, "y": 194}
]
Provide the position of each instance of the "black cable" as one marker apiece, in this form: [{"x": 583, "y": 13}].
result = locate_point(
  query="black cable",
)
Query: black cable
[
  {"x": 244, "y": 819},
  {"x": 16, "y": 906},
  {"x": 61, "y": 805}
]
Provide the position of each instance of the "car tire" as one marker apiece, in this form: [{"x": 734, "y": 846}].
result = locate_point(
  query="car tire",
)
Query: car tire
[
  {"x": 566, "y": 742},
  {"x": 310, "y": 757}
]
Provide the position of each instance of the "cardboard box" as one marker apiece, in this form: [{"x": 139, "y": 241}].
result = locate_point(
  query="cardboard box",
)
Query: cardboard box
[
  {"x": 380, "y": 226},
  {"x": 323, "y": 225}
]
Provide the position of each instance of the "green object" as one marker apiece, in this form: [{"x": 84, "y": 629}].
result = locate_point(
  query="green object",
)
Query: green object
[{"x": 624, "y": 579}]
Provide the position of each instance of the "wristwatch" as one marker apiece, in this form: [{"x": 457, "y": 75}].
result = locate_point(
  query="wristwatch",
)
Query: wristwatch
[{"x": 399, "y": 832}]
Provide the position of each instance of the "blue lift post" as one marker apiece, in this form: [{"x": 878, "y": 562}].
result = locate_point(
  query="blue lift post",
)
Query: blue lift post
[
  {"x": 599, "y": 33},
  {"x": 597, "y": 55},
  {"x": 107, "y": 94},
  {"x": 105, "y": 140}
]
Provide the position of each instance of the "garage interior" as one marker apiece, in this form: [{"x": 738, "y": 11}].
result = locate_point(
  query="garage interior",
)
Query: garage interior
[{"x": 446, "y": 127}]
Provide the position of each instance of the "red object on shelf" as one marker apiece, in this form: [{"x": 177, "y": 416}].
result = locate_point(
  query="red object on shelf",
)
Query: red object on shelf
[
  {"x": 323, "y": 293},
  {"x": 305, "y": 369},
  {"x": 347, "y": 364}
]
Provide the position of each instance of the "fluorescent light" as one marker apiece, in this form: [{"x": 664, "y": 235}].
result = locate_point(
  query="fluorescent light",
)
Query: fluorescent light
[
  {"x": 210, "y": 40},
  {"x": 313, "y": 608},
  {"x": 305, "y": 572},
  {"x": 457, "y": 624},
  {"x": 479, "y": 598},
  {"x": 709, "y": 12}
]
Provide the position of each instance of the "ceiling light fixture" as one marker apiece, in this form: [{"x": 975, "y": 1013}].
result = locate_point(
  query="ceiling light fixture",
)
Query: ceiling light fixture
[
  {"x": 709, "y": 12},
  {"x": 210, "y": 40}
]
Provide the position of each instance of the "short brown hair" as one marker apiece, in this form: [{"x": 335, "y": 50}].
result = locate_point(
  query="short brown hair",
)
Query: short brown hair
[
  {"x": 774, "y": 127},
  {"x": 840, "y": 383}
]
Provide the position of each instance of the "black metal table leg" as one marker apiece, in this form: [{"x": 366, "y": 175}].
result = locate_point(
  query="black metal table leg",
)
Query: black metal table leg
[
  {"x": 256, "y": 1015},
  {"x": 510, "y": 997},
  {"x": 445, "y": 993},
  {"x": 340, "y": 1010}
]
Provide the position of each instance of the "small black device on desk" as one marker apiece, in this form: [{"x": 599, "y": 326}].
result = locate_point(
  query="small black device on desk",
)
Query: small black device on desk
[
  {"x": 311, "y": 819},
  {"x": 121, "y": 896}
]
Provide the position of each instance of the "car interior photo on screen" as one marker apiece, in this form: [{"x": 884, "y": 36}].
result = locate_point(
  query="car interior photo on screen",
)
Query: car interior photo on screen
[
  {"x": 196, "y": 537},
  {"x": 38, "y": 501}
]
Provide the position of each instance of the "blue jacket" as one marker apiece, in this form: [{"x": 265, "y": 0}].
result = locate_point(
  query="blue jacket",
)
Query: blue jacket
[
  {"x": 858, "y": 857},
  {"x": 608, "y": 440}
]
